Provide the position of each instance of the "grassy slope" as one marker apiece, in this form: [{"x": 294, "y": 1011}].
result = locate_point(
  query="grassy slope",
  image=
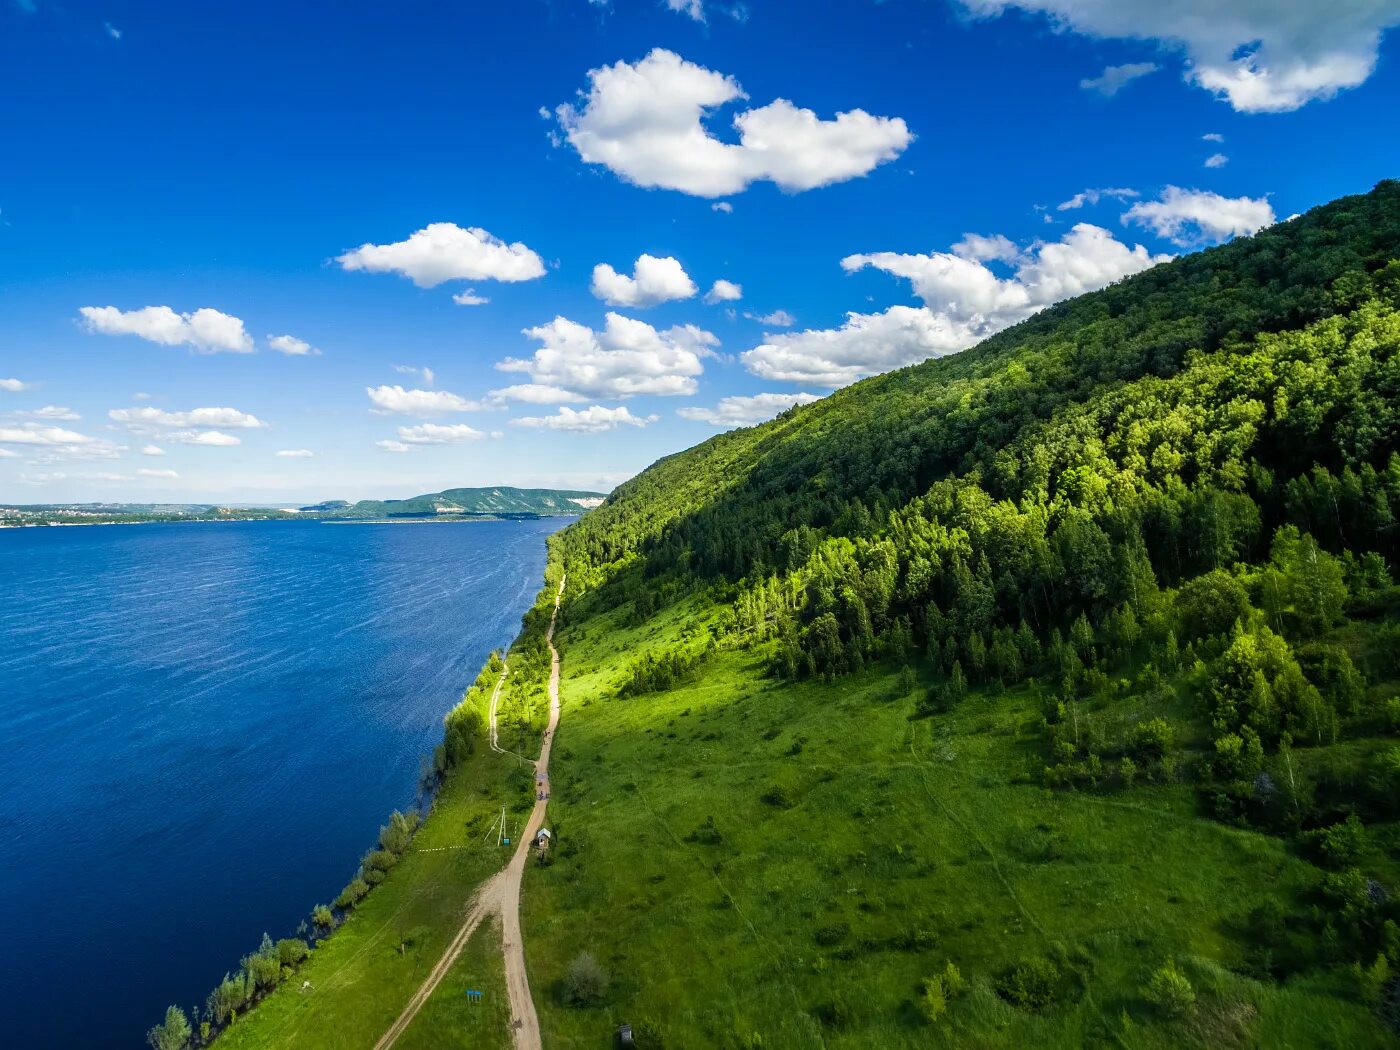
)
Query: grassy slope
[
  {"x": 360, "y": 981},
  {"x": 933, "y": 827}
]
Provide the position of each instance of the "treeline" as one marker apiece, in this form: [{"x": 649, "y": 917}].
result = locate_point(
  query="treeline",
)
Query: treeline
[{"x": 1170, "y": 509}]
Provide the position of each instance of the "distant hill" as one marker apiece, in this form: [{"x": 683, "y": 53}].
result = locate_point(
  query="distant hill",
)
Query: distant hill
[{"x": 501, "y": 501}]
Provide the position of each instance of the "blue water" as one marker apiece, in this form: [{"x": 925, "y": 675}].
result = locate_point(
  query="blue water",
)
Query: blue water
[{"x": 202, "y": 728}]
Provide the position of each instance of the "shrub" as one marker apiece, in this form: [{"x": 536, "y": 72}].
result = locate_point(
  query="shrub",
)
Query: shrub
[
  {"x": 352, "y": 894},
  {"x": 173, "y": 1033},
  {"x": 395, "y": 836},
  {"x": 585, "y": 981},
  {"x": 1031, "y": 984},
  {"x": 322, "y": 918},
  {"x": 1153, "y": 739},
  {"x": 1210, "y": 605},
  {"x": 1341, "y": 844},
  {"x": 1170, "y": 991},
  {"x": 292, "y": 951},
  {"x": 779, "y": 796}
]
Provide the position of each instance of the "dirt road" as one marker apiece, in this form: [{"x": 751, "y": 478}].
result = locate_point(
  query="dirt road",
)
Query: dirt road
[{"x": 501, "y": 892}]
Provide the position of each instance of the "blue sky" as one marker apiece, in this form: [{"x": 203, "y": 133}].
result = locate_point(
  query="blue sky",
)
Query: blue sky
[{"x": 334, "y": 177}]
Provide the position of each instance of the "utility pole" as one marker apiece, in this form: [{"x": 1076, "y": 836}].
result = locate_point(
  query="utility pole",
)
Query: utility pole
[{"x": 501, "y": 837}]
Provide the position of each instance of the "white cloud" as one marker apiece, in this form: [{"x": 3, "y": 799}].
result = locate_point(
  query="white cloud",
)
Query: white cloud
[
  {"x": 425, "y": 373},
  {"x": 7, "y": 454},
  {"x": 723, "y": 206},
  {"x": 745, "y": 411},
  {"x": 691, "y": 8},
  {"x": 39, "y": 434},
  {"x": 995, "y": 248},
  {"x": 14, "y": 386},
  {"x": 291, "y": 346},
  {"x": 206, "y": 331},
  {"x": 152, "y": 450},
  {"x": 964, "y": 302},
  {"x": 644, "y": 122},
  {"x": 145, "y": 473},
  {"x": 777, "y": 319},
  {"x": 112, "y": 31},
  {"x": 53, "y": 413},
  {"x": 195, "y": 417},
  {"x": 444, "y": 251},
  {"x": 592, "y": 420},
  {"x": 394, "y": 446},
  {"x": 1094, "y": 196},
  {"x": 419, "y": 402},
  {"x": 1212, "y": 136},
  {"x": 1188, "y": 217},
  {"x": 654, "y": 281},
  {"x": 470, "y": 298},
  {"x": 1262, "y": 56},
  {"x": 1217, "y": 160},
  {"x": 536, "y": 394},
  {"x": 1115, "y": 78},
  {"x": 212, "y": 438},
  {"x": 294, "y": 453},
  {"x": 723, "y": 291},
  {"x": 438, "y": 434},
  {"x": 628, "y": 357}
]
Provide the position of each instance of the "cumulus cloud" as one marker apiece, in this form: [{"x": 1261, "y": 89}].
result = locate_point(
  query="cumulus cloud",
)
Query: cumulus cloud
[
  {"x": 437, "y": 434},
  {"x": 444, "y": 251},
  {"x": 45, "y": 442},
  {"x": 1094, "y": 196},
  {"x": 1260, "y": 56},
  {"x": 206, "y": 331},
  {"x": 722, "y": 206},
  {"x": 152, "y": 450},
  {"x": 626, "y": 358},
  {"x": 53, "y": 413},
  {"x": 777, "y": 319},
  {"x": 291, "y": 346},
  {"x": 211, "y": 438},
  {"x": 644, "y": 121},
  {"x": 419, "y": 402},
  {"x": 535, "y": 394},
  {"x": 653, "y": 281},
  {"x": 723, "y": 291},
  {"x": 13, "y": 386},
  {"x": 690, "y": 8},
  {"x": 470, "y": 298},
  {"x": 964, "y": 302},
  {"x": 1191, "y": 217},
  {"x": 593, "y": 420},
  {"x": 393, "y": 446},
  {"x": 1217, "y": 160},
  {"x": 1212, "y": 136},
  {"x": 294, "y": 453},
  {"x": 195, "y": 417},
  {"x": 745, "y": 411},
  {"x": 987, "y": 249},
  {"x": 1115, "y": 78},
  {"x": 145, "y": 473}
]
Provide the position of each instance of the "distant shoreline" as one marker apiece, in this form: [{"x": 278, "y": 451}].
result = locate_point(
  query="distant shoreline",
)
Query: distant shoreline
[{"x": 291, "y": 517}]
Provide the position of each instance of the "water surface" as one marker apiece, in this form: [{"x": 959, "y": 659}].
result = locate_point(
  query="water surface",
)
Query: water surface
[{"x": 201, "y": 728}]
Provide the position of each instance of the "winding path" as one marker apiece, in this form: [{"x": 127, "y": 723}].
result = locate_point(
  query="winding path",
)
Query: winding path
[{"x": 501, "y": 892}]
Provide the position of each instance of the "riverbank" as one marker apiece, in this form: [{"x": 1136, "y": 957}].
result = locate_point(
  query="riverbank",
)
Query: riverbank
[{"x": 363, "y": 975}]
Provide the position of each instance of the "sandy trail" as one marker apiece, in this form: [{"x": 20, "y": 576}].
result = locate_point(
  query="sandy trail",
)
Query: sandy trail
[{"x": 500, "y": 894}]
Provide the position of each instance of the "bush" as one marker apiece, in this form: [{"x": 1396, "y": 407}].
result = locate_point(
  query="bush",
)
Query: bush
[
  {"x": 322, "y": 918},
  {"x": 395, "y": 836},
  {"x": 938, "y": 991},
  {"x": 352, "y": 894},
  {"x": 1210, "y": 605},
  {"x": 585, "y": 982},
  {"x": 292, "y": 951},
  {"x": 1153, "y": 740},
  {"x": 173, "y": 1033},
  {"x": 1170, "y": 991},
  {"x": 1031, "y": 984},
  {"x": 779, "y": 796}
]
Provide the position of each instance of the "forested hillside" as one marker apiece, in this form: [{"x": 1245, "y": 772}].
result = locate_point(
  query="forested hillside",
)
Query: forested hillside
[{"x": 1047, "y": 694}]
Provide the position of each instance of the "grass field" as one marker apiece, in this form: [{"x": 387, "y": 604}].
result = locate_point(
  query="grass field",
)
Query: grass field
[{"x": 774, "y": 865}]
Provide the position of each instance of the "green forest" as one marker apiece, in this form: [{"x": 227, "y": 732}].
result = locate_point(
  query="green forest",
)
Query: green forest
[
  {"x": 1043, "y": 695},
  {"x": 1151, "y": 534}
]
